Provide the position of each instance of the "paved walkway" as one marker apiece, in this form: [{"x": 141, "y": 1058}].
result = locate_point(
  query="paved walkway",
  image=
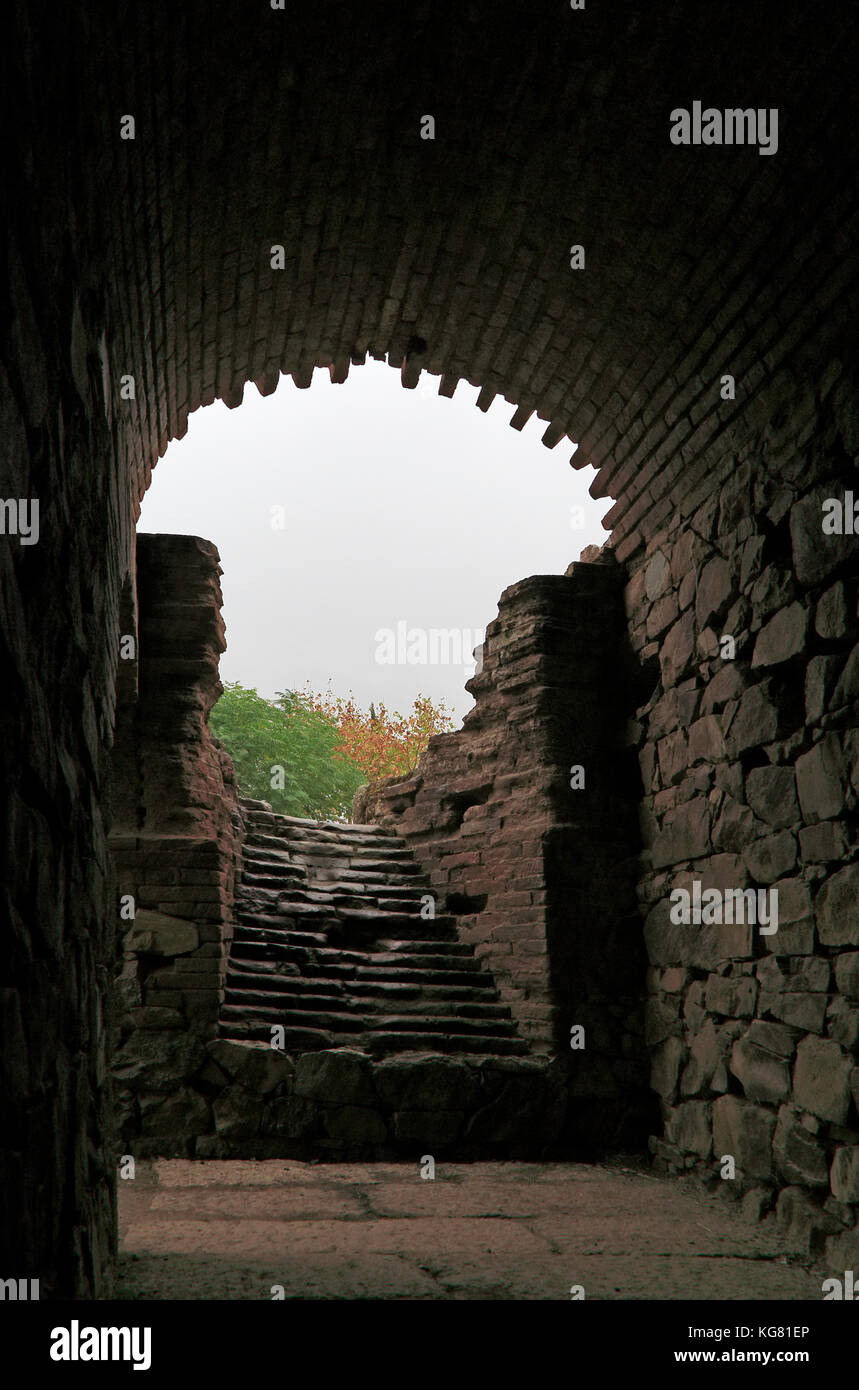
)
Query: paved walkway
[{"x": 233, "y": 1229}]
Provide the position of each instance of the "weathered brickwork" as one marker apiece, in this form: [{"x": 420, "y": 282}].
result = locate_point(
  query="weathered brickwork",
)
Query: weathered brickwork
[
  {"x": 151, "y": 259},
  {"x": 525, "y": 821}
]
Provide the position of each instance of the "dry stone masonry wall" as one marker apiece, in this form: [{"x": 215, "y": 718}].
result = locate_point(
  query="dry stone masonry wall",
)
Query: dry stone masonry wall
[{"x": 750, "y": 763}]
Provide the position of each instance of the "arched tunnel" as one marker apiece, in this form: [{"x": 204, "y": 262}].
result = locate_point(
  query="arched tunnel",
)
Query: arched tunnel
[{"x": 207, "y": 195}]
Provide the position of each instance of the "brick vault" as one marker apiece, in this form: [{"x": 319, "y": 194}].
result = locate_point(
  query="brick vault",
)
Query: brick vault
[{"x": 143, "y": 282}]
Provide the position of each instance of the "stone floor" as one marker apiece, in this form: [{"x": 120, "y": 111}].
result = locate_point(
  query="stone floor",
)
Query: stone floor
[{"x": 233, "y": 1229}]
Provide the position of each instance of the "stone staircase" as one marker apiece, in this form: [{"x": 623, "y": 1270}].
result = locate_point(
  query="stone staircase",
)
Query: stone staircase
[{"x": 329, "y": 943}]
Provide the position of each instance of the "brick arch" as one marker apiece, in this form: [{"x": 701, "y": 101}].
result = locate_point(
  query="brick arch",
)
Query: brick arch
[
  {"x": 301, "y": 128},
  {"x": 462, "y": 243}
]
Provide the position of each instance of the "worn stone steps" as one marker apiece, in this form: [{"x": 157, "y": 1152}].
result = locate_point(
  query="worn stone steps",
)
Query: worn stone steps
[
  {"x": 464, "y": 996},
  {"x": 243, "y": 987},
  {"x": 341, "y": 920},
  {"x": 329, "y": 943},
  {"x": 378, "y": 1043}
]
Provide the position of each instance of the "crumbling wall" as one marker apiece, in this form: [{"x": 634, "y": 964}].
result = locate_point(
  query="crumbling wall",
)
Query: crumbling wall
[
  {"x": 174, "y": 839},
  {"x": 526, "y": 821}
]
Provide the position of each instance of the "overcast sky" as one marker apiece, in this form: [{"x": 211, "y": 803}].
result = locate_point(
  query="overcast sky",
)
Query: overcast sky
[{"x": 341, "y": 511}]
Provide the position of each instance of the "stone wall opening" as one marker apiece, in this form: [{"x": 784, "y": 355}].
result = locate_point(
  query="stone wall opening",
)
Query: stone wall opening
[{"x": 147, "y": 263}]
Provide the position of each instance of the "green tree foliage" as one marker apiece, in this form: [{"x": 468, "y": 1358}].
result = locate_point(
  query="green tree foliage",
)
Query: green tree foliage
[{"x": 286, "y": 753}]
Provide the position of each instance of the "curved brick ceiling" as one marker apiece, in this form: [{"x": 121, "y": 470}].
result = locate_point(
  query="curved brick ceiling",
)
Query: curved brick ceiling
[{"x": 301, "y": 127}]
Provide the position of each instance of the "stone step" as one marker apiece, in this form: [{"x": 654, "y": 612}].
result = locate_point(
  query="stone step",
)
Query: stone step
[
  {"x": 295, "y": 1040},
  {"x": 418, "y": 987},
  {"x": 417, "y": 946},
  {"x": 269, "y": 889},
  {"x": 329, "y": 943},
  {"x": 243, "y": 990},
  {"x": 326, "y": 838},
  {"x": 368, "y": 975},
  {"x": 449, "y": 1035},
  {"x": 262, "y": 1010},
  {"x": 345, "y": 965},
  {"x": 335, "y": 1013},
  {"x": 385, "y": 1044},
  {"x": 386, "y": 960},
  {"x": 313, "y": 915}
]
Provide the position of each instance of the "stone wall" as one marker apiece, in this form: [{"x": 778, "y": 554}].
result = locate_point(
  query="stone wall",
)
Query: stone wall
[
  {"x": 248, "y": 1100},
  {"x": 525, "y": 821},
  {"x": 750, "y": 767},
  {"x": 175, "y": 836}
]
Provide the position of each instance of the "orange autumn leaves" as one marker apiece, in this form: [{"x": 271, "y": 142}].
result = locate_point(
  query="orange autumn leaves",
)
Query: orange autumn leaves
[{"x": 380, "y": 743}]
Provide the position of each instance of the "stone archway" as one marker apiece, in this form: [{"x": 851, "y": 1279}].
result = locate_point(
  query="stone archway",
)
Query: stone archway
[{"x": 147, "y": 262}]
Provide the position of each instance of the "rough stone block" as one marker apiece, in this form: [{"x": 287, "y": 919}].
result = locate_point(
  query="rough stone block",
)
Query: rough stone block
[
  {"x": 665, "y": 1066},
  {"x": 819, "y": 780},
  {"x": 771, "y": 858},
  {"x": 714, "y": 590},
  {"x": 354, "y": 1125},
  {"x": 823, "y": 842},
  {"x": 793, "y": 974},
  {"x": 843, "y": 1024},
  {"x": 685, "y": 834},
  {"x": 782, "y": 637},
  {"x": 795, "y": 935},
  {"x": 821, "y": 675},
  {"x": 815, "y": 554},
  {"x": 771, "y": 793},
  {"x": 837, "y": 908},
  {"x": 725, "y": 686},
  {"x": 154, "y": 1016},
  {"x": 821, "y": 1079},
  {"x": 844, "y": 1177},
  {"x": 706, "y": 742},
  {"x": 756, "y": 721},
  {"x": 745, "y": 1131},
  {"x": 762, "y": 1074},
  {"x": 426, "y": 1128},
  {"x": 847, "y": 974},
  {"x": 804, "y": 1224},
  {"x": 156, "y": 933},
  {"x": 842, "y": 1252},
  {"x": 335, "y": 1077},
  {"x": 237, "y": 1112},
  {"x": 657, "y": 575},
  {"x": 289, "y": 1117},
  {"x": 799, "y": 1156},
  {"x": 847, "y": 689},
  {"x": 806, "y": 1011},
  {"x": 734, "y": 997},
  {"x": 157, "y": 1061},
  {"x": 259, "y": 1067},
  {"x": 179, "y": 1116},
  {"x": 689, "y": 1127},
  {"x": 706, "y": 1055},
  {"x": 661, "y": 1019},
  {"x": 830, "y": 616},
  {"x": 677, "y": 649}
]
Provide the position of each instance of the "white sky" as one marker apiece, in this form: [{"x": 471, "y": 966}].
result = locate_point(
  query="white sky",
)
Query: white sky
[{"x": 398, "y": 506}]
